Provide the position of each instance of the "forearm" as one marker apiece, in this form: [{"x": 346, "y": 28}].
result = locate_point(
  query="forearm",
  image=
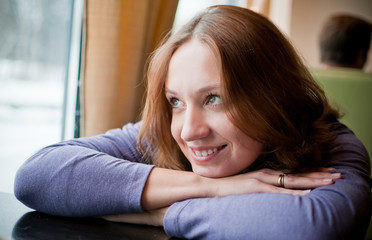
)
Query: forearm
[
  {"x": 319, "y": 215},
  {"x": 165, "y": 187},
  {"x": 93, "y": 176},
  {"x": 76, "y": 181}
]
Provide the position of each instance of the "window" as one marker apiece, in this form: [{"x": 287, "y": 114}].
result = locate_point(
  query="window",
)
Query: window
[{"x": 35, "y": 73}]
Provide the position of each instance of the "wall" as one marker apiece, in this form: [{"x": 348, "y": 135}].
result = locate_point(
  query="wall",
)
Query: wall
[{"x": 308, "y": 17}]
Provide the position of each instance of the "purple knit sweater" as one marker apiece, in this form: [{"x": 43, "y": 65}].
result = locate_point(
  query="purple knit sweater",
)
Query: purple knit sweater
[{"x": 104, "y": 175}]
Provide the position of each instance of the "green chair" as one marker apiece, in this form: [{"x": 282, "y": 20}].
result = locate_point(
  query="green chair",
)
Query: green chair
[{"x": 351, "y": 91}]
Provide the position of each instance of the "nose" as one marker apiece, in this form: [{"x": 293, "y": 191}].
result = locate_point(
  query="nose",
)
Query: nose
[{"x": 195, "y": 125}]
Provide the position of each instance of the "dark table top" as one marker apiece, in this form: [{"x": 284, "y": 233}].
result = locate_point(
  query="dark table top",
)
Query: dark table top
[{"x": 19, "y": 222}]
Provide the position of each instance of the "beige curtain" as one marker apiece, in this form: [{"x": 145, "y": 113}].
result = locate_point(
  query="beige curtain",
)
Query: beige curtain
[
  {"x": 119, "y": 36},
  {"x": 260, "y": 6}
]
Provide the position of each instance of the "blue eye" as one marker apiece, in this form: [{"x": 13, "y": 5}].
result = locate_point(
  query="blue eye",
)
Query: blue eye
[{"x": 213, "y": 99}]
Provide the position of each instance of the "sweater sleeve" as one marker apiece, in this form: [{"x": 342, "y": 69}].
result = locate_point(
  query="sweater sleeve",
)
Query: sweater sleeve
[
  {"x": 92, "y": 176},
  {"x": 338, "y": 211}
]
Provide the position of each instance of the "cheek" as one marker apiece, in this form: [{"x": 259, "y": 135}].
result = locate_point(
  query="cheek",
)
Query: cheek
[
  {"x": 176, "y": 129},
  {"x": 252, "y": 149},
  {"x": 245, "y": 146}
]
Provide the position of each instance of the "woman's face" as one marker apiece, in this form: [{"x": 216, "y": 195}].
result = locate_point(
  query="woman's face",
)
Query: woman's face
[{"x": 200, "y": 126}]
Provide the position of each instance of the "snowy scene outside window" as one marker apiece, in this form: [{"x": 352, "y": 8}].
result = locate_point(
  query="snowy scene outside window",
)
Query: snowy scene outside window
[{"x": 34, "y": 56}]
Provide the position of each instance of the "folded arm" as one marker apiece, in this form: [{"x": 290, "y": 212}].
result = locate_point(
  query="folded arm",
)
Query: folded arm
[
  {"x": 103, "y": 175},
  {"x": 85, "y": 177},
  {"x": 338, "y": 211}
]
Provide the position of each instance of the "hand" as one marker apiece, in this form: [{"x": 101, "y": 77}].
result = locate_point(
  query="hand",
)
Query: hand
[
  {"x": 306, "y": 179},
  {"x": 153, "y": 217},
  {"x": 266, "y": 181}
]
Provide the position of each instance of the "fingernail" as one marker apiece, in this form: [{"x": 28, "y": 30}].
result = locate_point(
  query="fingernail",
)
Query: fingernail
[
  {"x": 306, "y": 191},
  {"x": 336, "y": 175},
  {"x": 327, "y": 180}
]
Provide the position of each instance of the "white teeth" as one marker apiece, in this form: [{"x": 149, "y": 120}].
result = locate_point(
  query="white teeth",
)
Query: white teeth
[{"x": 205, "y": 153}]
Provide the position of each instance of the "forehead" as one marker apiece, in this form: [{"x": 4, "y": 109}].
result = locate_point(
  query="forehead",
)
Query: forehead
[{"x": 195, "y": 63}]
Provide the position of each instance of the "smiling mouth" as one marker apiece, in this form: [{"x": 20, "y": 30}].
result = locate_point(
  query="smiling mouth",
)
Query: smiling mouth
[{"x": 207, "y": 152}]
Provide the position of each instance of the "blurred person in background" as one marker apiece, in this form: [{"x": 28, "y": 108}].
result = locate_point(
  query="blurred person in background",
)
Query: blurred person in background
[{"x": 344, "y": 42}]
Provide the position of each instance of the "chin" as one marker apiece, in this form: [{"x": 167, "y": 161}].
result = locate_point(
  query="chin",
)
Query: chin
[{"x": 210, "y": 173}]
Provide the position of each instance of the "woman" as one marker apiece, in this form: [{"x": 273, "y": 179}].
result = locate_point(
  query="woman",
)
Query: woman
[{"x": 230, "y": 110}]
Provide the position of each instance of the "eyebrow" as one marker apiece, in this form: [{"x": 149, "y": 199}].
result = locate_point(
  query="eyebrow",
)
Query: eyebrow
[{"x": 207, "y": 88}]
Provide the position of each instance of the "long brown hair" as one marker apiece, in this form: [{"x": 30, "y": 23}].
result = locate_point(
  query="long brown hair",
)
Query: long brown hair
[{"x": 268, "y": 92}]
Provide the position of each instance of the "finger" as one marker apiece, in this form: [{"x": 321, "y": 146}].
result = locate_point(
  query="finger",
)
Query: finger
[
  {"x": 317, "y": 169},
  {"x": 323, "y": 175},
  {"x": 297, "y": 182},
  {"x": 319, "y": 172},
  {"x": 308, "y": 180},
  {"x": 267, "y": 188},
  {"x": 268, "y": 176}
]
